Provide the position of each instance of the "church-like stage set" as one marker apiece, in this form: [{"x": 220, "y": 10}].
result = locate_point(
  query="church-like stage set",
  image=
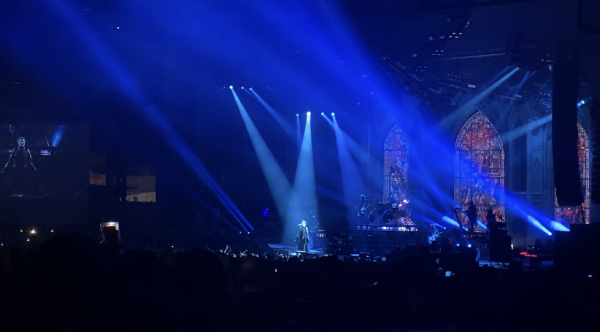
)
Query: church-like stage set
[
  {"x": 460, "y": 133},
  {"x": 474, "y": 211}
]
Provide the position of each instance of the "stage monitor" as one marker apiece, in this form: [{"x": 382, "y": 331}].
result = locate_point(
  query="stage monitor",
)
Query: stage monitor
[
  {"x": 44, "y": 161},
  {"x": 44, "y": 174}
]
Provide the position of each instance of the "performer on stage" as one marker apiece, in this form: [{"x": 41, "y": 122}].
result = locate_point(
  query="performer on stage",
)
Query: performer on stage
[
  {"x": 472, "y": 215},
  {"x": 302, "y": 237},
  {"x": 362, "y": 206},
  {"x": 362, "y": 210},
  {"x": 491, "y": 217},
  {"x": 20, "y": 169}
]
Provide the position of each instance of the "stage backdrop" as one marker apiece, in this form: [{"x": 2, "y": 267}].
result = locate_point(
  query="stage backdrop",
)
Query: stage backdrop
[
  {"x": 395, "y": 166},
  {"x": 479, "y": 168},
  {"x": 578, "y": 214}
]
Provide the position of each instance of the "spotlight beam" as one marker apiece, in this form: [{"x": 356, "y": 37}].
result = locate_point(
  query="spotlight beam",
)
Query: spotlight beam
[
  {"x": 279, "y": 185},
  {"x": 472, "y": 104},
  {"x": 352, "y": 182},
  {"x": 518, "y": 132},
  {"x": 282, "y": 123},
  {"x": 304, "y": 201},
  {"x": 298, "y": 134},
  {"x": 127, "y": 84},
  {"x": 354, "y": 148}
]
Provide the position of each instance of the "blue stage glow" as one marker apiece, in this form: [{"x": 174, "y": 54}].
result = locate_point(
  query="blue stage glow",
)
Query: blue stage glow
[
  {"x": 537, "y": 224},
  {"x": 469, "y": 245},
  {"x": 558, "y": 226},
  {"x": 297, "y": 114},
  {"x": 279, "y": 185},
  {"x": 322, "y": 113},
  {"x": 58, "y": 135},
  {"x": 352, "y": 183},
  {"x": 128, "y": 85},
  {"x": 481, "y": 224},
  {"x": 231, "y": 87},
  {"x": 303, "y": 200},
  {"x": 450, "y": 221},
  {"x": 280, "y": 120},
  {"x": 217, "y": 49}
]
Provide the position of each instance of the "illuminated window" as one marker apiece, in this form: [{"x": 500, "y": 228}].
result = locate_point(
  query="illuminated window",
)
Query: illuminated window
[
  {"x": 479, "y": 168},
  {"x": 573, "y": 214},
  {"x": 395, "y": 165}
]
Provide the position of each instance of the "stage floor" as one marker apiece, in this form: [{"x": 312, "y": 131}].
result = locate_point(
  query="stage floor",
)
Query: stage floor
[
  {"x": 388, "y": 228},
  {"x": 294, "y": 250}
]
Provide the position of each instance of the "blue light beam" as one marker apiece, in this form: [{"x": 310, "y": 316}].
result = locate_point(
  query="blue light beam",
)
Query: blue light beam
[
  {"x": 559, "y": 227},
  {"x": 281, "y": 189},
  {"x": 539, "y": 225},
  {"x": 470, "y": 105},
  {"x": 58, "y": 135},
  {"x": 352, "y": 183},
  {"x": 284, "y": 124},
  {"x": 129, "y": 87},
  {"x": 304, "y": 201},
  {"x": 450, "y": 221}
]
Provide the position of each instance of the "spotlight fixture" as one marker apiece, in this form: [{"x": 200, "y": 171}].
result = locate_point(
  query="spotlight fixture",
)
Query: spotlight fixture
[
  {"x": 231, "y": 87},
  {"x": 332, "y": 114},
  {"x": 250, "y": 88},
  {"x": 297, "y": 114},
  {"x": 307, "y": 113},
  {"x": 242, "y": 88},
  {"x": 322, "y": 113}
]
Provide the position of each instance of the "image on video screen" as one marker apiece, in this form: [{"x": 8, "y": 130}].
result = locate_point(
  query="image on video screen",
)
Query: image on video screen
[{"x": 44, "y": 161}]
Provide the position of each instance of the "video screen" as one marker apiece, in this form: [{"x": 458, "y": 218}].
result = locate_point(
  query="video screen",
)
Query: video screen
[{"x": 40, "y": 161}]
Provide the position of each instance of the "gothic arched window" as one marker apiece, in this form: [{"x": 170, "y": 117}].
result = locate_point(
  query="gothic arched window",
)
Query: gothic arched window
[
  {"x": 574, "y": 214},
  {"x": 479, "y": 168},
  {"x": 395, "y": 165}
]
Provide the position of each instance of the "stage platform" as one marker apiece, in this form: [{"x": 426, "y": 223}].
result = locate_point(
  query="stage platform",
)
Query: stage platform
[
  {"x": 388, "y": 228},
  {"x": 292, "y": 251}
]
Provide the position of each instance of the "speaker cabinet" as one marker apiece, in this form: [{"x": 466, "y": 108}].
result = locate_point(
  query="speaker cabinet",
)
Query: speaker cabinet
[{"x": 564, "y": 127}]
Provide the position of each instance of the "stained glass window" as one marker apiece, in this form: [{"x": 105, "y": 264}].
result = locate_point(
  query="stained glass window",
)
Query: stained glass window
[
  {"x": 395, "y": 165},
  {"x": 578, "y": 214},
  {"x": 479, "y": 169}
]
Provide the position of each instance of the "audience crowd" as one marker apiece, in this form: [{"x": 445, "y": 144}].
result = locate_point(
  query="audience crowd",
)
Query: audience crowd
[{"x": 70, "y": 283}]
